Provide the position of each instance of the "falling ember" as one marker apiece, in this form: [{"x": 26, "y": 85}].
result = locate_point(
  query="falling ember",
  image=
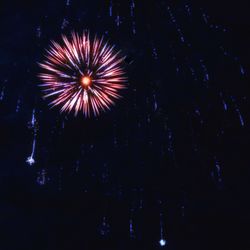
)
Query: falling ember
[{"x": 82, "y": 75}]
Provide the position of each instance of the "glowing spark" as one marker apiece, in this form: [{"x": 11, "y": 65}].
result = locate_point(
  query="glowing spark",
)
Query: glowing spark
[
  {"x": 30, "y": 160},
  {"x": 82, "y": 74},
  {"x": 162, "y": 242},
  {"x": 86, "y": 81}
]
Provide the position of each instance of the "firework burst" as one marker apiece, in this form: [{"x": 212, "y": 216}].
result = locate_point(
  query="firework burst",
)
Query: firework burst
[{"x": 82, "y": 74}]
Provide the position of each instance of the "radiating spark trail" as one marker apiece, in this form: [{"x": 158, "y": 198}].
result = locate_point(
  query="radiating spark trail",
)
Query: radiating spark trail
[
  {"x": 32, "y": 124},
  {"x": 224, "y": 102},
  {"x": 82, "y": 74},
  {"x": 105, "y": 227},
  {"x": 30, "y": 160},
  {"x": 42, "y": 177},
  {"x": 118, "y": 20},
  {"x": 132, "y": 8},
  {"x": 2, "y": 93},
  {"x": 131, "y": 229},
  {"x": 65, "y": 23},
  {"x": 38, "y": 32},
  {"x": 162, "y": 240},
  {"x": 33, "y": 119},
  {"x": 111, "y": 8},
  {"x": 242, "y": 70},
  {"x": 237, "y": 110},
  {"x": 18, "y": 105},
  {"x": 216, "y": 174},
  {"x": 155, "y": 103},
  {"x": 131, "y": 226}
]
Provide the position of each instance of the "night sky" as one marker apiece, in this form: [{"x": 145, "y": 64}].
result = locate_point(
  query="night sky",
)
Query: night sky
[{"x": 167, "y": 167}]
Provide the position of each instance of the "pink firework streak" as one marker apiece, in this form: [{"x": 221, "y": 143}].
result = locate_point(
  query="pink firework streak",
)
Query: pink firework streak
[{"x": 82, "y": 74}]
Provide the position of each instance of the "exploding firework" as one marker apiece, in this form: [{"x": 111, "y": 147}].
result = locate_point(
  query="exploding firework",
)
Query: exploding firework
[{"x": 82, "y": 74}]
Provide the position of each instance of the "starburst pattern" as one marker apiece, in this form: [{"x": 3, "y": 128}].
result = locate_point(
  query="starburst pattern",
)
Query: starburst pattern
[{"x": 82, "y": 74}]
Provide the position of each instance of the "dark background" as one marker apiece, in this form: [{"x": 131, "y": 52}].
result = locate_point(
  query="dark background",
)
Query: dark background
[{"x": 174, "y": 152}]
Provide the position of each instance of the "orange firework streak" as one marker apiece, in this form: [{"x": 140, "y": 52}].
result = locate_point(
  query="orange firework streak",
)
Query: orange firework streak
[{"x": 82, "y": 74}]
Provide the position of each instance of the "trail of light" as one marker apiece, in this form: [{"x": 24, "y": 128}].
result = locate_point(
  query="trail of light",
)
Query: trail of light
[
  {"x": 30, "y": 160},
  {"x": 111, "y": 8},
  {"x": 162, "y": 240}
]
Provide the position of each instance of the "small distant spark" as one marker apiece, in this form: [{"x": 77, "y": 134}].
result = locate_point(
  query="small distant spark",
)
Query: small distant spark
[{"x": 162, "y": 242}]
